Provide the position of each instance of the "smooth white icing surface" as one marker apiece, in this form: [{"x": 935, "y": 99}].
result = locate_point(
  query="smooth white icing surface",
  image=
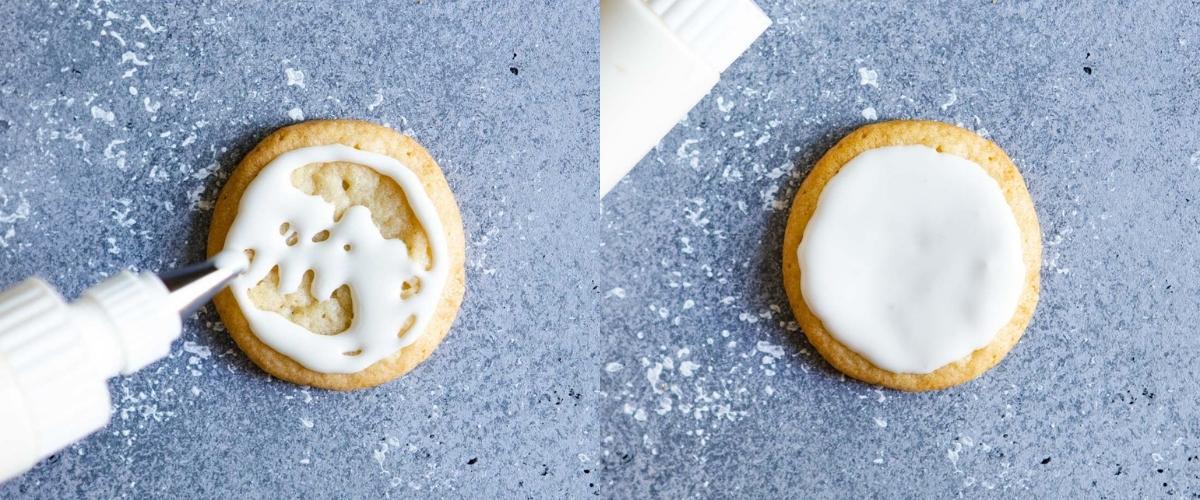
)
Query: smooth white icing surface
[
  {"x": 354, "y": 254},
  {"x": 912, "y": 258}
]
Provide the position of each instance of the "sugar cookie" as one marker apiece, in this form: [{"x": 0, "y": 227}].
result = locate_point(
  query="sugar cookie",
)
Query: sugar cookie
[
  {"x": 912, "y": 254},
  {"x": 355, "y": 250}
]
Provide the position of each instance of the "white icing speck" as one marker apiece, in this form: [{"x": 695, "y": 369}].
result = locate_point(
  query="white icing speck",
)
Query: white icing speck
[
  {"x": 103, "y": 115},
  {"x": 295, "y": 77},
  {"x": 867, "y": 76}
]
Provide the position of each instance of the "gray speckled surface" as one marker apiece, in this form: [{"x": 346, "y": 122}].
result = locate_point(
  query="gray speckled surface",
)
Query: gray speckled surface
[
  {"x": 1097, "y": 103},
  {"x": 118, "y": 124}
]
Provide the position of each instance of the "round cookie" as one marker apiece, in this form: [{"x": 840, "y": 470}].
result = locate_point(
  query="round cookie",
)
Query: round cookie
[
  {"x": 943, "y": 138},
  {"x": 343, "y": 184}
]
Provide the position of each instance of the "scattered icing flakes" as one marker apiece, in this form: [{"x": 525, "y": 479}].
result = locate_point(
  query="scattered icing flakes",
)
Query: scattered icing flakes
[
  {"x": 867, "y": 76},
  {"x": 195, "y": 391},
  {"x": 724, "y": 106},
  {"x": 295, "y": 77},
  {"x": 146, "y": 25},
  {"x": 693, "y": 399},
  {"x": 770, "y": 199},
  {"x": 121, "y": 215},
  {"x": 151, "y": 107},
  {"x": 870, "y": 113},
  {"x": 376, "y": 102},
  {"x": 8, "y": 234},
  {"x": 308, "y": 424},
  {"x": 196, "y": 197},
  {"x": 112, "y": 246},
  {"x": 142, "y": 404},
  {"x": 664, "y": 406},
  {"x": 617, "y": 292},
  {"x": 1195, "y": 160},
  {"x": 1050, "y": 262},
  {"x": 686, "y": 152},
  {"x": 133, "y": 90},
  {"x": 613, "y": 367},
  {"x": 112, "y": 153},
  {"x": 295, "y": 114},
  {"x": 117, "y": 36},
  {"x": 780, "y": 171},
  {"x": 187, "y": 141},
  {"x": 200, "y": 351},
  {"x": 881, "y": 423},
  {"x": 950, "y": 100},
  {"x": 769, "y": 349},
  {"x": 19, "y": 212},
  {"x": 131, "y": 57},
  {"x": 654, "y": 376},
  {"x": 688, "y": 368},
  {"x": 99, "y": 113},
  {"x": 696, "y": 215},
  {"x": 762, "y": 139},
  {"x": 380, "y": 454},
  {"x": 304, "y": 461}
]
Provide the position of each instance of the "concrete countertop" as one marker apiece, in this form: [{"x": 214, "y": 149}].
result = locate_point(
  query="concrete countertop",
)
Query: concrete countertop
[
  {"x": 119, "y": 122},
  {"x": 711, "y": 390}
]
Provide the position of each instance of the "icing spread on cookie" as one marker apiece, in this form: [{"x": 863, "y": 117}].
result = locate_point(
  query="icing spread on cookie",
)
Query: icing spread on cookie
[
  {"x": 912, "y": 258},
  {"x": 279, "y": 222}
]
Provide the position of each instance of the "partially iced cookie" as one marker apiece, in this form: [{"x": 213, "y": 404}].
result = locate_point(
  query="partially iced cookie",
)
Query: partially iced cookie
[{"x": 355, "y": 251}]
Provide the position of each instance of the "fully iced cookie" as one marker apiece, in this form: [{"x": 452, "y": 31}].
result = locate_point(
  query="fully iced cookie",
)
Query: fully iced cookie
[
  {"x": 912, "y": 255},
  {"x": 354, "y": 251}
]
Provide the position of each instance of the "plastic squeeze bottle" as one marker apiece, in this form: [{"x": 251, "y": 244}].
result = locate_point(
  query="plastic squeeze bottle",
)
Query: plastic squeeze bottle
[{"x": 658, "y": 58}]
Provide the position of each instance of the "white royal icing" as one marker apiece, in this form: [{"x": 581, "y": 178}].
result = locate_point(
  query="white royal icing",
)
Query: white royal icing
[
  {"x": 354, "y": 254},
  {"x": 912, "y": 258}
]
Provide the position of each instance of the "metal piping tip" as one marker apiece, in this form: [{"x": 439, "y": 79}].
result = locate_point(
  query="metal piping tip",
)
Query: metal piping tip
[{"x": 194, "y": 285}]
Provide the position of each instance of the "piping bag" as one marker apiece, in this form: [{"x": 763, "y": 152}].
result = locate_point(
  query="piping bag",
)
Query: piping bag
[{"x": 56, "y": 357}]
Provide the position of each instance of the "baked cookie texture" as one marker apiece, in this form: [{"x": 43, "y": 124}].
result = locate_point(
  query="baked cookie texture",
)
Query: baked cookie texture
[
  {"x": 943, "y": 138},
  {"x": 343, "y": 185}
]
